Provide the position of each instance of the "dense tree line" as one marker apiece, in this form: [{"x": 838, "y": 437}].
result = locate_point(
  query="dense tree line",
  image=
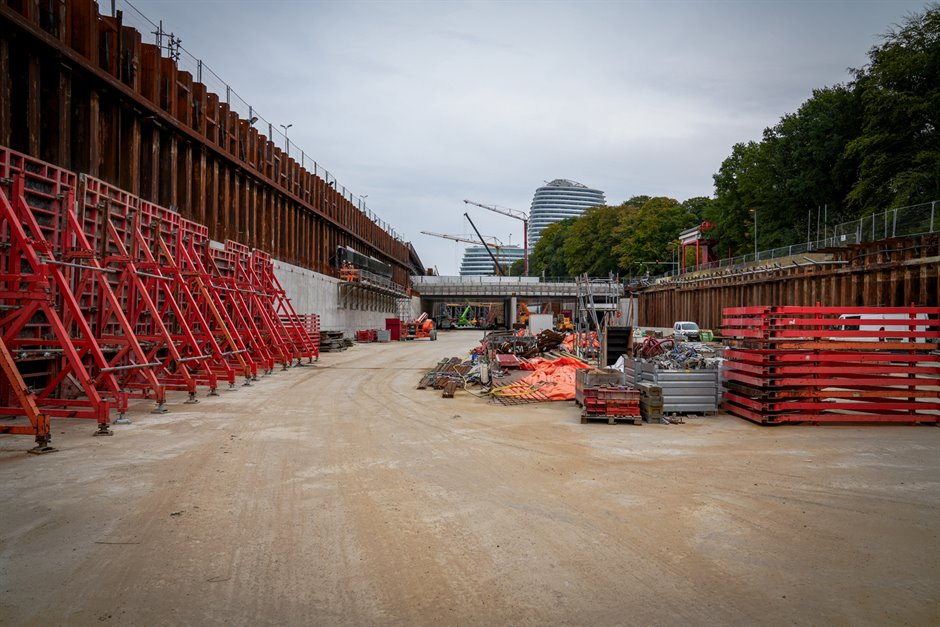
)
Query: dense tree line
[{"x": 850, "y": 150}]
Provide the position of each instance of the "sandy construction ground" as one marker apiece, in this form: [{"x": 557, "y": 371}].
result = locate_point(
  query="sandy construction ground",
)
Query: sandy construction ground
[{"x": 341, "y": 495}]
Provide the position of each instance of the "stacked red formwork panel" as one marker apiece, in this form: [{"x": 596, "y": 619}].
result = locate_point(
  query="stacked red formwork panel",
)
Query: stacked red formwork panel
[
  {"x": 45, "y": 262},
  {"x": 832, "y": 364}
]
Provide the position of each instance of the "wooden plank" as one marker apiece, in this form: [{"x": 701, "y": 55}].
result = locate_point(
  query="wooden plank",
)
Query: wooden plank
[
  {"x": 199, "y": 185},
  {"x": 130, "y": 152},
  {"x": 148, "y": 178},
  {"x": 168, "y": 87},
  {"x": 109, "y": 47},
  {"x": 64, "y": 115},
  {"x": 184, "y": 185},
  {"x": 33, "y": 105},
  {"x": 149, "y": 75},
  {"x": 168, "y": 172},
  {"x": 6, "y": 90},
  {"x": 83, "y": 34},
  {"x": 184, "y": 98},
  {"x": 212, "y": 117},
  {"x": 200, "y": 104},
  {"x": 130, "y": 57}
]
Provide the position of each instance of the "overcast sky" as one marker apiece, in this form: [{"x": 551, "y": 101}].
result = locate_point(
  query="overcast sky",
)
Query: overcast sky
[{"x": 420, "y": 105}]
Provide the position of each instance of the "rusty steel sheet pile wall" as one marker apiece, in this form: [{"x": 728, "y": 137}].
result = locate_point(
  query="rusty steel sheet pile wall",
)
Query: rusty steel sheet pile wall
[
  {"x": 83, "y": 91},
  {"x": 832, "y": 364},
  {"x": 105, "y": 297},
  {"x": 888, "y": 273}
]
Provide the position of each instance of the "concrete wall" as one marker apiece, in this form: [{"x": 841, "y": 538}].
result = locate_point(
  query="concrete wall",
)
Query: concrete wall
[{"x": 339, "y": 308}]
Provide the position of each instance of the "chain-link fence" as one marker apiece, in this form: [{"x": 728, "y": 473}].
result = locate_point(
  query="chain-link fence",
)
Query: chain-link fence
[{"x": 171, "y": 47}]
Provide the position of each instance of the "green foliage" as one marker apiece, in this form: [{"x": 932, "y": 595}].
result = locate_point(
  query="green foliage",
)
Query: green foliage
[
  {"x": 646, "y": 235},
  {"x": 899, "y": 148},
  {"x": 548, "y": 256},
  {"x": 847, "y": 151},
  {"x": 517, "y": 267},
  {"x": 591, "y": 241}
]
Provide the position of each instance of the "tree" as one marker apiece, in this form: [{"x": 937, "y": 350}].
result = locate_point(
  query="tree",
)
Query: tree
[
  {"x": 589, "y": 247},
  {"x": 739, "y": 187},
  {"x": 645, "y": 235},
  {"x": 899, "y": 148},
  {"x": 518, "y": 267},
  {"x": 548, "y": 257}
]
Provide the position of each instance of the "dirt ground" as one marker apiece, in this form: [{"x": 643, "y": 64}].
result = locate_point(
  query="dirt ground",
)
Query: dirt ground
[{"x": 340, "y": 494}]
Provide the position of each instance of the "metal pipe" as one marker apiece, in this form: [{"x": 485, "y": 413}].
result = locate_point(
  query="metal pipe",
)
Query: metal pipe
[
  {"x": 183, "y": 359},
  {"x": 131, "y": 366}
]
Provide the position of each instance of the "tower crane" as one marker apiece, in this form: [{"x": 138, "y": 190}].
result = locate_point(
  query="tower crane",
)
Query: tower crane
[
  {"x": 476, "y": 242},
  {"x": 518, "y": 215}
]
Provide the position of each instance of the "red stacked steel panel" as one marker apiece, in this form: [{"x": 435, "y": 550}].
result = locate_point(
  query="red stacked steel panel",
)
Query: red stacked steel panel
[
  {"x": 833, "y": 364},
  {"x": 614, "y": 400}
]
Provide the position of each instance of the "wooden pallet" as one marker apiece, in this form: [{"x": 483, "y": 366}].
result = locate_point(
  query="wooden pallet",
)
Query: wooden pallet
[{"x": 611, "y": 420}]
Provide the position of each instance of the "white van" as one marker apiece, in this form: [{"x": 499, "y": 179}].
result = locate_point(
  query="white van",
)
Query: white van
[
  {"x": 870, "y": 322},
  {"x": 686, "y": 331}
]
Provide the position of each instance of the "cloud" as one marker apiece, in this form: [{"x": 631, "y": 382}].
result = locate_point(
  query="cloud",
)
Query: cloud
[{"x": 422, "y": 104}]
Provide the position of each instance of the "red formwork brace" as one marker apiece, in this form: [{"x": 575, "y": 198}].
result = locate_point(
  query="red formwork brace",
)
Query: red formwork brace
[
  {"x": 52, "y": 349},
  {"x": 222, "y": 264},
  {"x": 833, "y": 364},
  {"x": 303, "y": 331},
  {"x": 191, "y": 249},
  {"x": 232, "y": 266},
  {"x": 97, "y": 278},
  {"x": 144, "y": 292},
  {"x": 306, "y": 328},
  {"x": 204, "y": 359},
  {"x": 258, "y": 267},
  {"x": 14, "y": 385},
  {"x": 265, "y": 300}
]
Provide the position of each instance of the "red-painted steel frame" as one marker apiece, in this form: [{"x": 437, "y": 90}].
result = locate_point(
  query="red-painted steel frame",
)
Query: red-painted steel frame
[
  {"x": 35, "y": 285},
  {"x": 306, "y": 341},
  {"x": 775, "y": 381},
  {"x": 191, "y": 247},
  {"x": 38, "y": 426}
]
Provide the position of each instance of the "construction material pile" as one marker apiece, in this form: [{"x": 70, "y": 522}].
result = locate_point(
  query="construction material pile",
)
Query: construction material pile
[
  {"x": 495, "y": 369},
  {"x": 667, "y": 354},
  {"x": 612, "y": 402},
  {"x": 551, "y": 380},
  {"x": 522, "y": 345},
  {"x": 833, "y": 364},
  {"x": 332, "y": 341},
  {"x": 365, "y": 336}
]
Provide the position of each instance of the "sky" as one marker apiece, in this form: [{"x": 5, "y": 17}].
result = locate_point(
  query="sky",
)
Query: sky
[{"x": 419, "y": 105}]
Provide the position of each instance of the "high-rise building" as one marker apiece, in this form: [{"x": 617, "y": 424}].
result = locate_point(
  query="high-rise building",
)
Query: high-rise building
[
  {"x": 558, "y": 200},
  {"x": 477, "y": 262}
]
